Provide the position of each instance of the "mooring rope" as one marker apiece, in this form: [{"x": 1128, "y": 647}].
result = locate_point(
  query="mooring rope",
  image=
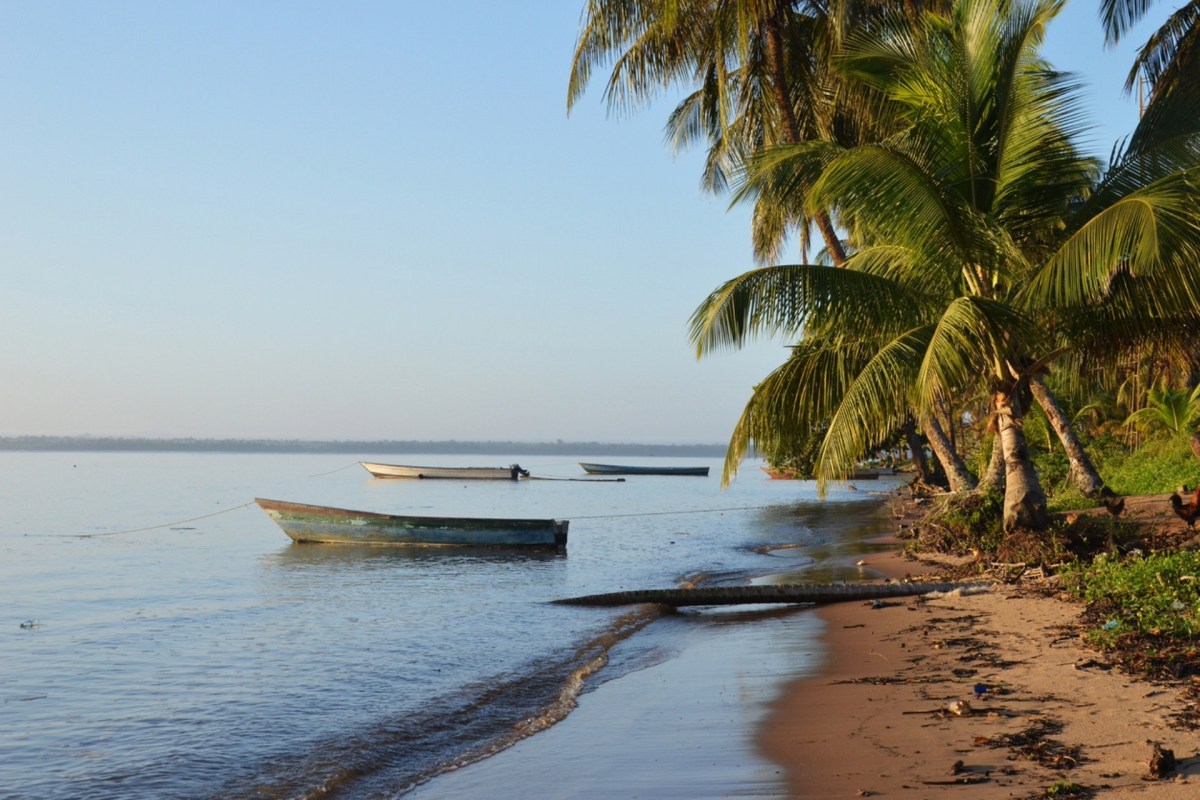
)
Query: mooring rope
[
  {"x": 664, "y": 513},
  {"x": 136, "y": 530},
  {"x": 339, "y": 469}
]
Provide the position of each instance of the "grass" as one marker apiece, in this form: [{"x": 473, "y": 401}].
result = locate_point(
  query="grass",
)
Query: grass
[{"x": 1158, "y": 466}]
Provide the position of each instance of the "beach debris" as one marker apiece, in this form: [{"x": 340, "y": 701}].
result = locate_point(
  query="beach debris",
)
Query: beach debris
[
  {"x": 1162, "y": 762},
  {"x": 958, "y": 767},
  {"x": 1034, "y": 744},
  {"x": 862, "y": 562},
  {"x": 30, "y": 624},
  {"x": 960, "y": 708},
  {"x": 865, "y": 793},
  {"x": 981, "y": 689},
  {"x": 963, "y": 780},
  {"x": 1089, "y": 663}
]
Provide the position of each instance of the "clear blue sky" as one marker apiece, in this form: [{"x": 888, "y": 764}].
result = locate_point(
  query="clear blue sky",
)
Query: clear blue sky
[{"x": 363, "y": 220}]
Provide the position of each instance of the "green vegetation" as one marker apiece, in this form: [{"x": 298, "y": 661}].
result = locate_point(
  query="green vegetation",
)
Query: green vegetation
[
  {"x": 1066, "y": 789},
  {"x": 1155, "y": 466},
  {"x": 1157, "y": 595},
  {"x": 1168, "y": 409},
  {"x": 962, "y": 523}
]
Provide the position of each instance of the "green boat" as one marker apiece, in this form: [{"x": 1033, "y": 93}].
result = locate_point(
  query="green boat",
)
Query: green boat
[{"x": 308, "y": 523}]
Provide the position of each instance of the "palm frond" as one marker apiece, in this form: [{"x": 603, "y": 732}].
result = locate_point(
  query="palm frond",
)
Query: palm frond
[
  {"x": 798, "y": 396},
  {"x": 972, "y": 335},
  {"x": 780, "y": 300},
  {"x": 873, "y": 405},
  {"x": 1130, "y": 234}
]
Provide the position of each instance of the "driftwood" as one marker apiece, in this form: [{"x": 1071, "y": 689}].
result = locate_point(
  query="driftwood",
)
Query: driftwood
[{"x": 809, "y": 593}]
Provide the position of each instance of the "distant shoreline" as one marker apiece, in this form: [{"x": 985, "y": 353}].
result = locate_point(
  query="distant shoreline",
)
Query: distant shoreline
[{"x": 131, "y": 444}]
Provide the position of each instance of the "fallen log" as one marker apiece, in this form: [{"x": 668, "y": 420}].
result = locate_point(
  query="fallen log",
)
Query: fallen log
[{"x": 808, "y": 593}]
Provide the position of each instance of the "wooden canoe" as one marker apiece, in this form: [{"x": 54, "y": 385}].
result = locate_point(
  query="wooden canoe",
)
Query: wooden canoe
[
  {"x": 510, "y": 473},
  {"x": 616, "y": 469},
  {"x": 308, "y": 523}
]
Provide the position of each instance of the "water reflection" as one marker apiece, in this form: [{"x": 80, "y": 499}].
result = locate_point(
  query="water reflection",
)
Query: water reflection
[{"x": 333, "y": 557}]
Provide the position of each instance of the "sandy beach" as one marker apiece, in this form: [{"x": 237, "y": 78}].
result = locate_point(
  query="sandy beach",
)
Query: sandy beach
[{"x": 984, "y": 695}]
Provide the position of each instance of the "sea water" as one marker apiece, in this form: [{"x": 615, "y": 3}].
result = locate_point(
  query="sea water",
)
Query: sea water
[{"x": 161, "y": 637}]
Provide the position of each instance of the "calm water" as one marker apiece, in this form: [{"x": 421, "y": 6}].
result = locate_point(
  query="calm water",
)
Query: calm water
[{"x": 182, "y": 647}]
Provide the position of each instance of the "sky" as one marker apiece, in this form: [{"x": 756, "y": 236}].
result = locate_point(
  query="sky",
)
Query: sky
[{"x": 366, "y": 220}]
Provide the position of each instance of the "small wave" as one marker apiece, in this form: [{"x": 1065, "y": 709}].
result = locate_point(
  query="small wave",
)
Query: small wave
[{"x": 394, "y": 757}]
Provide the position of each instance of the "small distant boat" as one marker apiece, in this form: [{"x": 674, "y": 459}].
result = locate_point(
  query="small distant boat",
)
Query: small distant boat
[
  {"x": 781, "y": 474},
  {"x": 510, "y": 473},
  {"x": 308, "y": 523},
  {"x": 616, "y": 469}
]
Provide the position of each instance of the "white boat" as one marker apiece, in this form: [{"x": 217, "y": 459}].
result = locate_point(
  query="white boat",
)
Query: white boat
[{"x": 510, "y": 473}]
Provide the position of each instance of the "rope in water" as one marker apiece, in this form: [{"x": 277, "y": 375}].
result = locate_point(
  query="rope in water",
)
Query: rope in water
[
  {"x": 663, "y": 513},
  {"x": 136, "y": 530},
  {"x": 247, "y": 505},
  {"x": 339, "y": 469}
]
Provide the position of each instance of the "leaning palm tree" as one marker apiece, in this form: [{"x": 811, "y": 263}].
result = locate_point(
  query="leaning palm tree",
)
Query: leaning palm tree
[{"x": 981, "y": 227}]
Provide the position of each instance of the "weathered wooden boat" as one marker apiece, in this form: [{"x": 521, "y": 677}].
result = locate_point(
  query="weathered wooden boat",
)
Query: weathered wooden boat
[
  {"x": 309, "y": 523},
  {"x": 617, "y": 469},
  {"x": 783, "y": 474},
  {"x": 510, "y": 473}
]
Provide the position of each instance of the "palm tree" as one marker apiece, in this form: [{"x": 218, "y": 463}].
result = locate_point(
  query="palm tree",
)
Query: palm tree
[
  {"x": 758, "y": 73},
  {"x": 981, "y": 228},
  {"x": 1173, "y": 410}
]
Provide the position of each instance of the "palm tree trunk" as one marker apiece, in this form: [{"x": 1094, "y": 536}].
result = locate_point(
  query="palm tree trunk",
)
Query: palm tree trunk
[
  {"x": 961, "y": 479},
  {"x": 925, "y": 472},
  {"x": 993, "y": 477},
  {"x": 1083, "y": 474},
  {"x": 791, "y": 128},
  {"x": 1024, "y": 500}
]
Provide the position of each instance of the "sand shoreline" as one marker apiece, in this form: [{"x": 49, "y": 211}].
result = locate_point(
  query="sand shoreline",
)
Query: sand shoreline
[
  {"x": 896, "y": 711},
  {"x": 858, "y": 700}
]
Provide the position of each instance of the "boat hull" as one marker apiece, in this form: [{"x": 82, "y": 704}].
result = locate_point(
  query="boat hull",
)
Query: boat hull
[
  {"x": 617, "y": 469},
  {"x": 452, "y": 473},
  {"x": 309, "y": 523}
]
